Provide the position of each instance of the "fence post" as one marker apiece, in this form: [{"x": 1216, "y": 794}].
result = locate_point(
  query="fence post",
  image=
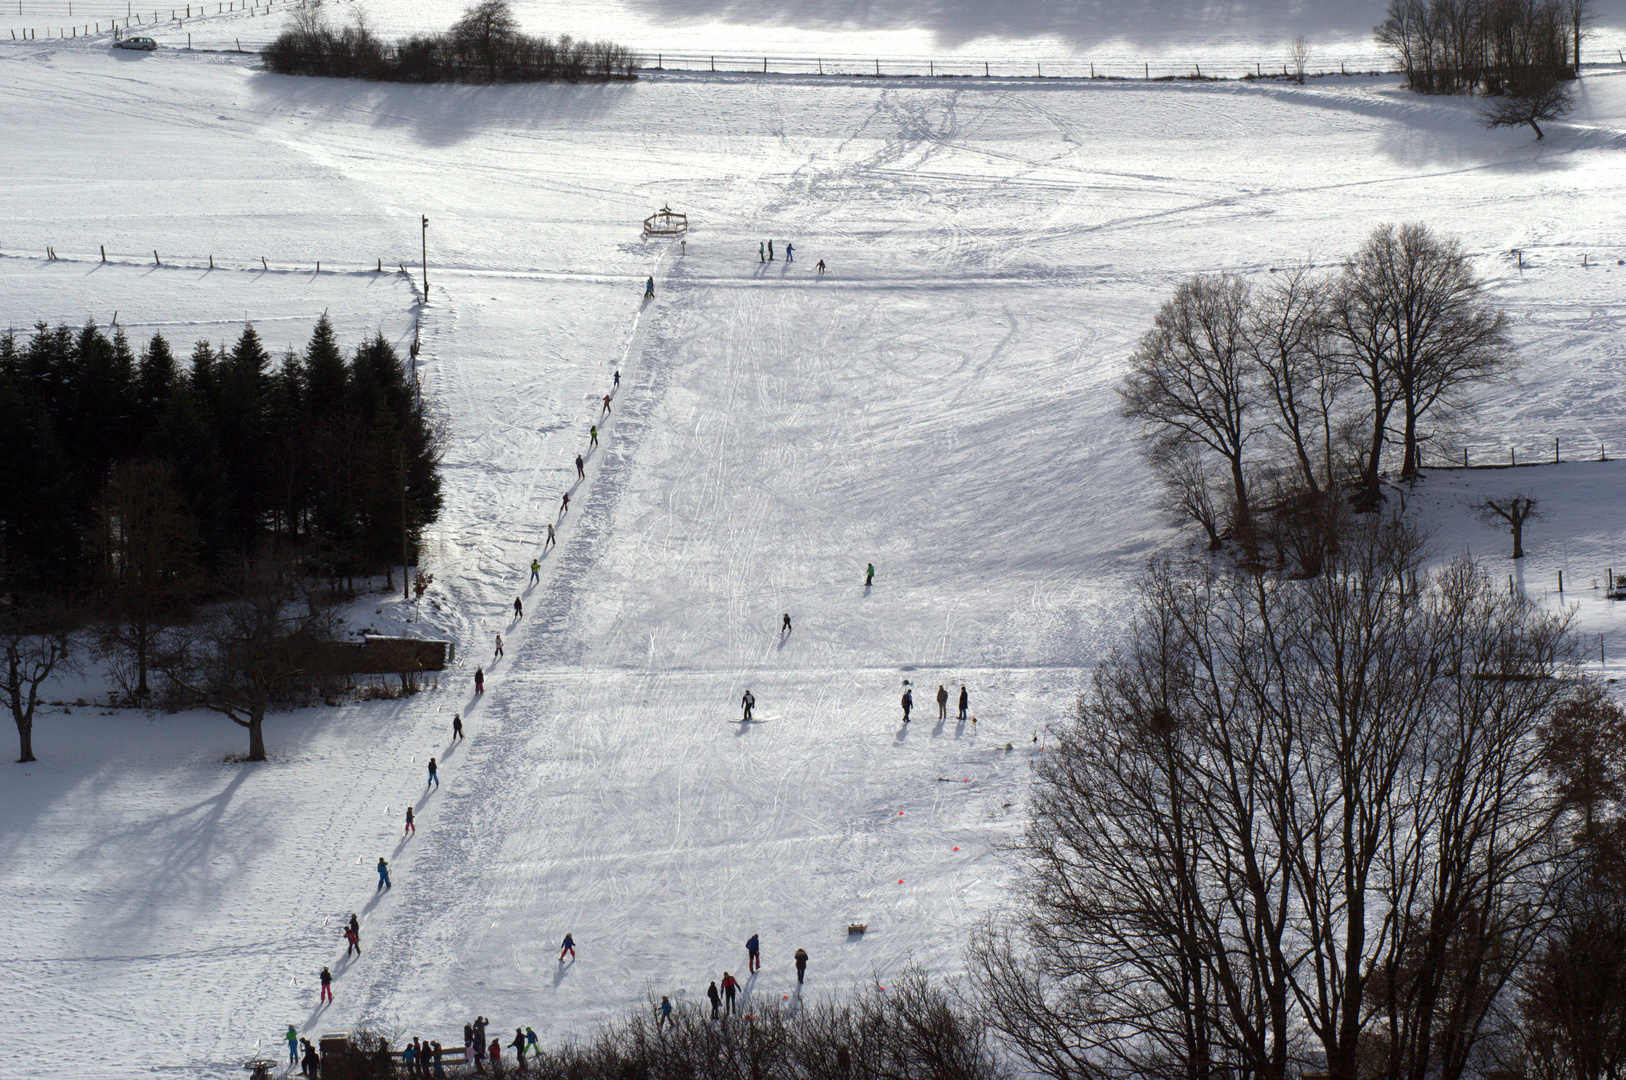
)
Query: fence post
[
  {"x": 1148, "y": 71},
  {"x": 1512, "y": 456},
  {"x": 877, "y": 67},
  {"x": 1464, "y": 457},
  {"x": 1092, "y": 69},
  {"x": 985, "y": 69},
  {"x": 104, "y": 253},
  {"x": 1510, "y": 584},
  {"x": 211, "y": 262},
  {"x": 1555, "y": 451},
  {"x": 155, "y": 258},
  {"x": 1561, "y": 583}
]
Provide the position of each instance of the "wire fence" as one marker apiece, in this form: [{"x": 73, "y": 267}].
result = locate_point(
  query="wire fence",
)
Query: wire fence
[
  {"x": 1060, "y": 67},
  {"x": 1521, "y": 453},
  {"x": 94, "y": 19}
]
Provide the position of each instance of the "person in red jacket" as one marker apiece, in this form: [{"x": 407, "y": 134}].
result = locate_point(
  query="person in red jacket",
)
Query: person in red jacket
[{"x": 731, "y": 987}]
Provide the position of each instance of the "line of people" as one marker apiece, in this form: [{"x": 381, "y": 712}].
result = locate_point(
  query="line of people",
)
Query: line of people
[{"x": 942, "y": 702}]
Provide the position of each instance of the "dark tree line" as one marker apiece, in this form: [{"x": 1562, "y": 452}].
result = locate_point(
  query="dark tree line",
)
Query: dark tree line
[
  {"x": 1460, "y": 46},
  {"x": 1263, "y": 405},
  {"x": 484, "y": 46},
  {"x": 135, "y": 485}
]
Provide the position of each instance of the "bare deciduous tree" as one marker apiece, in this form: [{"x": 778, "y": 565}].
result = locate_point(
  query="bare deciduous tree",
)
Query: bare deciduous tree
[
  {"x": 1299, "y": 55},
  {"x": 253, "y": 652},
  {"x": 1513, "y": 511},
  {"x": 1528, "y": 99},
  {"x": 1192, "y": 380},
  {"x": 34, "y": 645},
  {"x": 1292, "y": 347},
  {"x": 1288, "y": 816}
]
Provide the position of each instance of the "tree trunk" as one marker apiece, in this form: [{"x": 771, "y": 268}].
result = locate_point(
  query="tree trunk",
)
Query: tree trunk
[
  {"x": 256, "y": 734},
  {"x": 1408, "y": 461},
  {"x": 1533, "y": 124},
  {"x": 25, "y": 739},
  {"x": 1518, "y": 537}
]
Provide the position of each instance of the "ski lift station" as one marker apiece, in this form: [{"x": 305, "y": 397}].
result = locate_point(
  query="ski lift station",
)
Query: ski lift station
[{"x": 666, "y": 222}]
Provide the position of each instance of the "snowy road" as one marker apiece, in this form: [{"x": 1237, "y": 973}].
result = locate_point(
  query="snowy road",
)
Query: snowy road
[{"x": 940, "y": 403}]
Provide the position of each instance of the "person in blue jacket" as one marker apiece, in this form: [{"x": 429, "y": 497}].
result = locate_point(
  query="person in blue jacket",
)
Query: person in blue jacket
[
  {"x": 569, "y": 946},
  {"x": 383, "y": 874},
  {"x": 753, "y": 960}
]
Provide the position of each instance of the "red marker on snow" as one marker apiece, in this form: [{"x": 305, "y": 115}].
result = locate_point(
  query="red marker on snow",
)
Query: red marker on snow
[{"x": 956, "y": 849}]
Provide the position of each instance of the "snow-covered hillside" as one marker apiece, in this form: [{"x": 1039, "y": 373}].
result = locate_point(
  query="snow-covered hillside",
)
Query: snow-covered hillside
[{"x": 939, "y": 403}]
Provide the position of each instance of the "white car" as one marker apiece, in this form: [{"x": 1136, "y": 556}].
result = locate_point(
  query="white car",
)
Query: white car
[{"x": 146, "y": 44}]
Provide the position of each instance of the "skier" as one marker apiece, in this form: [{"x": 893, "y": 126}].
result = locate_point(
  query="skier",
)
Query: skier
[
  {"x": 457, "y": 726},
  {"x": 801, "y": 965},
  {"x": 649, "y": 289},
  {"x": 434, "y": 777},
  {"x": 716, "y": 999},
  {"x": 770, "y": 251},
  {"x": 498, "y": 654},
  {"x": 519, "y": 1047},
  {"x": 606, "y": 404},
  {"x": 550, "y": 541},
  {"x": 293, "y": 1044},
  {"x": 753, "y": 961},
  {"x": 942, "y": 702},
  {"x": 569, "y": 946},
  {"x": 383, "y": 874},
  {"x": 790, "y": 253},
  {"x": 519, "y": 608},
  {"x": 784, "y": 627},
  {"x": 530, "y": 1037},
  {"x": 479, "y": 680},
  {"x": 665, "y": 1016},
  {"x": 592, "y": 433},
  {"x": 820, "y": 267},
  {"x": 581, "y": 467},
  {"x": 411, "y": 826},
  {"x": 748, "y": 702},
  {"x": 731, "y": 986},
  {"x": 564, "y": 501},
  {"x": 327, "y": 986},
  {"x": 618, "y": 379},
  {"x": 965, "y": 702},
  {"x": 355, "y": 924},
  {"x": 536, "y": 565},
  {"x": 760, "y": 256},
  {"x": 908, "y": 703},
  {"x": 869, "y": 575}
]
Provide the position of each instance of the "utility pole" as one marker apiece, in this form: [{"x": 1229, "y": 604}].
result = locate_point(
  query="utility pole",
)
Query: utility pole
[
  {"x": 426, "y": 260},
  {"x": 406, "y": 595}
]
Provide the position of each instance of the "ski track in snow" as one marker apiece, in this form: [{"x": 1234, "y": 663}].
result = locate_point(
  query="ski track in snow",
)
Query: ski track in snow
[{"x": 941, "y": 403}]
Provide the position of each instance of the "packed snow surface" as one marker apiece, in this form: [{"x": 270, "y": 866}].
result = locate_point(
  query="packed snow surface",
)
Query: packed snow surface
[{"x": 940, "y": 403}]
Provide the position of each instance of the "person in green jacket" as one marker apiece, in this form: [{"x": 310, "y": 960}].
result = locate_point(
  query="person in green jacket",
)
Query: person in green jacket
[
  {"x": 869, "y": 576},
  {"x": 293, "y": 1045}
]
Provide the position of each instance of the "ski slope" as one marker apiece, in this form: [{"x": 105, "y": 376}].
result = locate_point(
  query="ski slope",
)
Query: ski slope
[{"x": 940, "y": 403}]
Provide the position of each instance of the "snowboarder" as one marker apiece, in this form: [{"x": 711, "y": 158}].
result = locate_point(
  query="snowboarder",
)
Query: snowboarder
[
  {"x": 498, "y": 655},
  {"x": 606, "y": 404},
  {"x": 564, "y": 500},
  {"x": 760, "y": 256},
  {"x": 550, "y": 541},
  {"x": 942, "y": 702},
  {"x": 617, "y": 386},
  {"x": 716, "y": 999},
  {"x": 820, "y": 267},
  {"x": 748, "y": 702},
  {"x": 665, "y": 1015},
  {"x": 383, "y": 874},
  {"x": 519, "y": 609},
  {"x": 649, "y": 289},
  {"x": 479, "y": 680},
  {"x": 784, "y": 627},
  {"x": 731, "y": 986},
  {"x": 569, "y": 946},
  {"x": 801, "y": 965},
  {"x": 790, "y": 253},
  {"x": 869, "y": 575},
  {"x": 327, "y": 984},
  {"x": 536, "y": 565},
  {"x": 908, "y": 703},
  {"x": 411, "y": 826},
  {"x": 434, "y": 776},
  {"x": 519, "y": 1047},
  {"x": 592, "y": 433},
  {"x": 753, "y": 961},
  {"x": 965, "y": 702},
  {"x": 293, "y": 1044},
  {"x": 581, "y": 467},
  {"x": 457, "y": 726},
  {"x": 770, "y": 251}
]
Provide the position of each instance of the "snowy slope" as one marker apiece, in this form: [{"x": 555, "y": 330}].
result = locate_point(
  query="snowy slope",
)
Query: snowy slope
[{"x": 940, "y": 403}]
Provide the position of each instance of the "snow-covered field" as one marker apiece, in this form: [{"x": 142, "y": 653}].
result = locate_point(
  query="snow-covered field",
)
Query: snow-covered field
[{"x": 940, "y": 403}]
